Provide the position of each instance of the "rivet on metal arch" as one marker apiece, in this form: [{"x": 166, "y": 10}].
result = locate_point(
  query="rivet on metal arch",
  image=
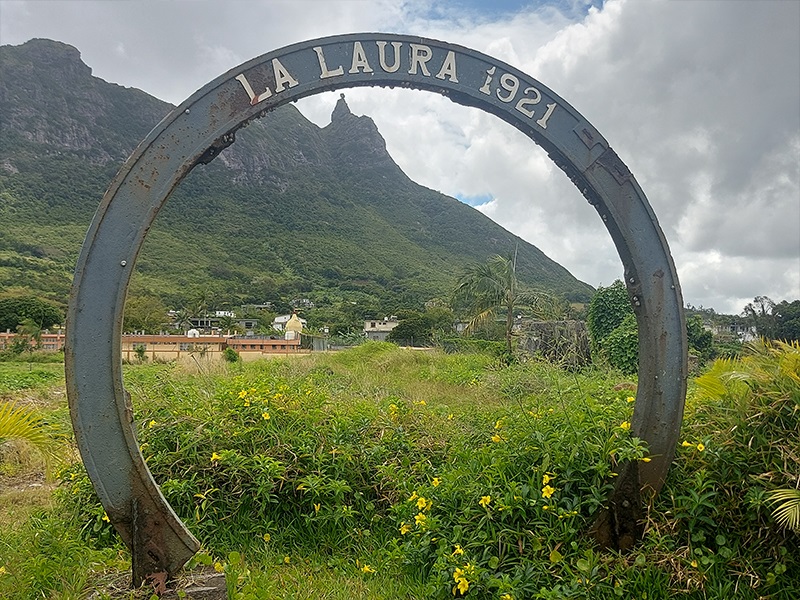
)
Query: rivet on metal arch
[{"x": 197, "y": 130}]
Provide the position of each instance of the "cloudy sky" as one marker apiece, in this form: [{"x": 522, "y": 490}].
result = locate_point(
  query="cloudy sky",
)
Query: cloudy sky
[{"x": 700, "y": 98}]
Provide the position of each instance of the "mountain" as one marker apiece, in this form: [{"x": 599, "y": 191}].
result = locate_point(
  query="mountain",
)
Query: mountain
[{"x": 290, "y": 210}]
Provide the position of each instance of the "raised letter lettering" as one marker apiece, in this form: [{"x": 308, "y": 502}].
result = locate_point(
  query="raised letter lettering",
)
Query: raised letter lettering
[
  {"x": 448, "y": 67},
  {"x": 510, "y": 84},
  {"x": 485, "y": 87},
  {"x": 359, "y": 59},
  {"x": 543, "y": 121},
  {"x": 282, "y": 76},
  {"x": 323, "y": 68},
  {"x": 382, "y": 56},
  {"x": 251, "y": 94},
  {"x": 420, "y": 54}
]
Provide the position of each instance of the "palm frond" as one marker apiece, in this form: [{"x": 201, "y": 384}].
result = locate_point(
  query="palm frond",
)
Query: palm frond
[
  {"x": 787, "y": 513},
  {"x": 18, "y": 423}
]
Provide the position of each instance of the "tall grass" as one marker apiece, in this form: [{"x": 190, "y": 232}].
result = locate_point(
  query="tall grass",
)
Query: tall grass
[{"x": 404, "y": 474}]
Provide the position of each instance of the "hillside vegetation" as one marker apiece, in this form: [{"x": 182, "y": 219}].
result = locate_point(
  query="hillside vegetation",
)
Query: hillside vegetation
[{"x": 290, "y": 210}]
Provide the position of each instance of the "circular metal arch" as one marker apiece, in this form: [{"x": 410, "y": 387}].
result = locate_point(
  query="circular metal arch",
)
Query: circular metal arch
[{"x": 197, "y": 130}]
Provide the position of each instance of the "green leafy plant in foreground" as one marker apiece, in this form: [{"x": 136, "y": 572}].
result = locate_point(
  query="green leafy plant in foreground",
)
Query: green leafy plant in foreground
[{"x": 455, "y": 475}]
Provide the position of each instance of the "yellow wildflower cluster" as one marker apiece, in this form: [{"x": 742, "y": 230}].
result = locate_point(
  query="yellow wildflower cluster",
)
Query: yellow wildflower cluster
[
  {"x": 700, "y": 445},
  {"x": 421, "y": 520},
  {"x": 547, "y": 489},
  {"x": 424, "y": 503},
  {"x": 405, "y": 528},
  {"x": 460, "y": 577}
]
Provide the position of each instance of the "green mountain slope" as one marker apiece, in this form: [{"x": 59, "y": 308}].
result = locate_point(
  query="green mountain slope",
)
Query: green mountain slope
[{"x": 290, "y": 210}]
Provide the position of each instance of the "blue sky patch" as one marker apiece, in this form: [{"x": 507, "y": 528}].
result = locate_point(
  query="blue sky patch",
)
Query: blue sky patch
[{"x": 474, "y": 201}]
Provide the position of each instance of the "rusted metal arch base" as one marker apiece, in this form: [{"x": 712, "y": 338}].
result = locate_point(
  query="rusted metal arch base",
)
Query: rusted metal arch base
[{"x": 197, "y": 130}]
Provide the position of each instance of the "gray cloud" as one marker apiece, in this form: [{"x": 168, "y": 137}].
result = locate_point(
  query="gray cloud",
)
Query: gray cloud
[{"x": 700, "y": 99}]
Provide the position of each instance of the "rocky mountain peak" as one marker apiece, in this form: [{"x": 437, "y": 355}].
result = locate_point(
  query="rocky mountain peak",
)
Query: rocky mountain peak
[
  {"x": 341, "y": 110},
  {"x": 63, "y": 61}
]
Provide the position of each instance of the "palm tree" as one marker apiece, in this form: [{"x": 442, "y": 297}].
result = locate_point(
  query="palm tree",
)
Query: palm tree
[
  {"x": 29, "y": 331},
  {"x": 492, "y": 287}
]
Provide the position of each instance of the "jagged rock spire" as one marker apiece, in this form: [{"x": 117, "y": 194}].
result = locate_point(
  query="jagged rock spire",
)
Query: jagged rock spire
[{"x": 341, "y": 110}]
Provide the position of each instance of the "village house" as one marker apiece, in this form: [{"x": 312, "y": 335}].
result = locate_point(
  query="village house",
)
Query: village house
[{"x": 379, "y": 330}]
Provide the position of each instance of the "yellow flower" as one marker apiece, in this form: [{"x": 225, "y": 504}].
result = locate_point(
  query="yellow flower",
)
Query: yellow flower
[
  {"x": 286, "y": 560},
  {"x": 420, "y": 519},
  {"x": 242, "y": 394},
  {"x": 422, "y": 503},
  {"x": 625, "y": 425},
  {"x": 506, "y": 597},
  {"x": 484, "y": 501},
  {"x": 450, "y": 417},
  {"x": 3, "y": 570},
  {"x": 646, "y": 459},
  {"x": 498, "y": 424},
  {"x": 545, "y": 507},
  {"x": 421, "y": 403},
  {"x": 686, "y": 444},
  {"x": 105, "y": 518},
  {"x": 461, "y": 581},
  {"x": 458, "y": 550},
  {"x": 631, "y": 399},
  {"x": 218, "y": 567},
  {"x": 317, "y": 506},
  {"x": 496, "y": 438},
  {"x": 215, "y": 456},
  {"x": 412, "y": 497},
  {"x": 267, "y": 537},
  {"x": 151, "y": 424},
  {"x": 367, "y": 569},
  {"x": 405, "y": 528},
  {"x": 548, "y": 491},
  {"x": 701, "y": 446},
  {"x": 694, "y": 564},
  {"x": 436, "y": 481},
  {"x": 546, "y": 478},
  {"x": 265, "y": 415}
]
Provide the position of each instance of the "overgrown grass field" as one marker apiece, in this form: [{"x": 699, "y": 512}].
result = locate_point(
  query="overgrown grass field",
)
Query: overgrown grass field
[{"x": 379, "y": 472}]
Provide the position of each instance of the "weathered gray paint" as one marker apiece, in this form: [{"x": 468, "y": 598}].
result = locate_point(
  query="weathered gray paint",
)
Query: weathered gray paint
[{"x": 205, "y": 123}]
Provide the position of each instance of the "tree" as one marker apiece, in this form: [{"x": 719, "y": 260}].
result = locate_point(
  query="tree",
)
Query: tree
[
  {"x": 700, "y": 339},
  {"x": 613, "y": 329},
  {"x": 760, "y": 314},
  {"x": 787, "y": 316},
  {"x": 29, "y": 335},
  {"x": 144, "y": 313},
  {"x": 421, "y": 328},
  {"x": 228, "y": 323},
  {"x": 14, "y": 310},
  {"x": 607, "y": 310},
  {"x": 491, "y": 288}
]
